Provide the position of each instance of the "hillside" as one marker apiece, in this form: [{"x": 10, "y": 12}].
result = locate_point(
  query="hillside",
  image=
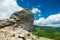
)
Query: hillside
[
  {"x": 47, "y": 31},
  {"x": 19, "y": 27}
]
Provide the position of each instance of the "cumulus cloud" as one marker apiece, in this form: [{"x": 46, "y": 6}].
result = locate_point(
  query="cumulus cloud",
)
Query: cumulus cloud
[
  {"x": 7, "y": 7},
  {"x": 35, "y": 10},
  {"x": 39, "y": 21},
  {"x": 52, "y": 20}
]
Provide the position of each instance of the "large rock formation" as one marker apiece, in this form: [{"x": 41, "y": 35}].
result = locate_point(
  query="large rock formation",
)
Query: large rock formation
[
  {"x": 17, "y": 27},
  {"x": 24, "y": 18}
]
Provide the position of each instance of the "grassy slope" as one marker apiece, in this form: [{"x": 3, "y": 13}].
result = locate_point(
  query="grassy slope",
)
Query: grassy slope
[{"x": 47, "y": 31}]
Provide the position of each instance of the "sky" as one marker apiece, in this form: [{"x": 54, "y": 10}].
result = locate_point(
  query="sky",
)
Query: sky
[{"x": 46, "y": 12}]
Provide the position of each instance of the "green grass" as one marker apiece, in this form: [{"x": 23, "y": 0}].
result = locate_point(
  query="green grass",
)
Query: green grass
[{"x": 46, "y": 31}]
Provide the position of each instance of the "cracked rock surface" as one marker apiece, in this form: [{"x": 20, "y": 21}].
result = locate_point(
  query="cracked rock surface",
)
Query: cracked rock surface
[
  {"x": 24, "y": 18},
  {"x": 18, "y": 27},
  {"x": 8, "y": 33}
]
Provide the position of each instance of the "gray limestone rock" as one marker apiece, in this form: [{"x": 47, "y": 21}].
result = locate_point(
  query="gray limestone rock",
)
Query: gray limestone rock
[
  {"x": 24, "y": 18},
  {"x": 22, "y": 23}
]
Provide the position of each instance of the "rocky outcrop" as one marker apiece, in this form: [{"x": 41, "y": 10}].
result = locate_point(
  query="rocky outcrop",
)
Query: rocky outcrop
[
  {"x": 7, "y": 33},
  {"x": 24, "y": 17},
  {"x": 18, "y": 27}
]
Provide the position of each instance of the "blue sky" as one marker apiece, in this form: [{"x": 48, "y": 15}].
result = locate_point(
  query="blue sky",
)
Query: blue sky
[
  {"x": 46, "y": 12},
  {"x": 48, "y": 8}
]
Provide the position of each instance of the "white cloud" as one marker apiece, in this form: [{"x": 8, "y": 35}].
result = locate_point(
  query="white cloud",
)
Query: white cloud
[
  {"x": 7, "y": 7},
  {"x": 52, "y": 20},
  {"x": 39, "y": 21},
  {"x": 35, "y": 10}
]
